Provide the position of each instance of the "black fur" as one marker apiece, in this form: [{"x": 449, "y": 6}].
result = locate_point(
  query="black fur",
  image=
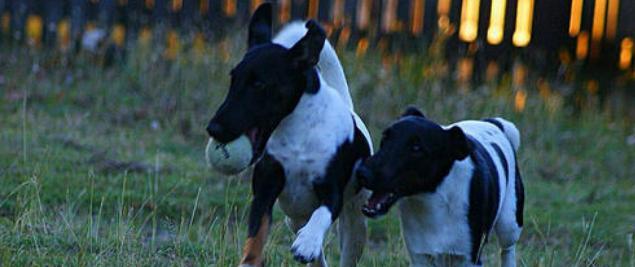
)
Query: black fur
[
  {"x": 330, "y": 189},
  {"x": 412, "y": 111},
  {"x": 415, "y": 155},
  {"x": 267, "y": 183},
  {"x": 503, "y": 160},
  {"x": 520, "y": 196},
  {"x": 496, "y": 122},
  {"x": 484, "y": 197},
  {"x": 267, "y": 84}
]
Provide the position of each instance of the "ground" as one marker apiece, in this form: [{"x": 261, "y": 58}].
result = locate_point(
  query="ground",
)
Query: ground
[{"x": 105, "y": 166}]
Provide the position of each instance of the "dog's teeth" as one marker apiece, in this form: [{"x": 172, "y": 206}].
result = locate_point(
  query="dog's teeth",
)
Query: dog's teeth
[{"x": 378, "y": 206}]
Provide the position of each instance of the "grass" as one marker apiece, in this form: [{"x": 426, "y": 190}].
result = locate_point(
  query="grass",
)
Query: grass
[{"x": 103, "y": 167}]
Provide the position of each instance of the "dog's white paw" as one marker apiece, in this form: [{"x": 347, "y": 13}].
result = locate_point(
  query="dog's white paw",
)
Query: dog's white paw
[
  {"x": 247, "y": 265},
  {"x": 307, "y": 247}
]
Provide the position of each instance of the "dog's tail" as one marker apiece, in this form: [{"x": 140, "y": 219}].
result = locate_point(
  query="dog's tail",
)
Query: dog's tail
[
  {"x": 509, "y": 129},
  {"x": 329, "y": 65}
]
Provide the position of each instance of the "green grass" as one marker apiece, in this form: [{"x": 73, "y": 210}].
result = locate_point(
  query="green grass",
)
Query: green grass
[{"x": 67, "y": 127}]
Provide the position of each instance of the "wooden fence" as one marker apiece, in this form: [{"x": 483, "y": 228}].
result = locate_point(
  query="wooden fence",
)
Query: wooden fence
[{"x": 592, "y": 32}]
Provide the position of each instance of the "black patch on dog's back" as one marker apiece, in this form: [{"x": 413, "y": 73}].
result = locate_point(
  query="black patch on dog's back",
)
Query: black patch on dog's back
[
  {"x": 496, "y": 122},
  {"x": 484, "y": 197},
  {"x": 503, "y": 160}
]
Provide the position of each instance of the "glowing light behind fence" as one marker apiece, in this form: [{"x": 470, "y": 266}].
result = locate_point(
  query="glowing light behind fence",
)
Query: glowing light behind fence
[
  {"x": 626, "y": 53},
  {"x": 496, "y": 22},
  {"x": 576, "y": 17},
  {"x": 363, "y": 14},
  {"x": 468, "y": 30},
  {"x": 599, "y": 15},
  {"x": 417, "y": 17},
  {"x": 524, "y": 20},
  {"x": 611, "y": 19},
  {"x": 313, "y": 8},
  {"x": 582, "y": 45},
  {"x": 229, "y": 7},
  {"x": 388, "y": 18},
  {"x": 284, "y": 14},
  {"x": 34, "y": 28}
]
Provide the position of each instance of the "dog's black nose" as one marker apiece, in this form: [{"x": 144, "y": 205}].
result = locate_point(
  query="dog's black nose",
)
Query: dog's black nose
[
  {"x": 364, "y": 174},
  {"x": 214, "y": 129}
]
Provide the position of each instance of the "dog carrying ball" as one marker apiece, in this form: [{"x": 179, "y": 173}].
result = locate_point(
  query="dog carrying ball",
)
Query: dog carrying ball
[{"x": 230, "y": 158}]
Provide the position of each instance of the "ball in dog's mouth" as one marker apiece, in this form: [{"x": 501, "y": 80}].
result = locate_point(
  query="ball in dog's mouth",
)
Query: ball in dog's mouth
[{"x": 379, "y": 203}]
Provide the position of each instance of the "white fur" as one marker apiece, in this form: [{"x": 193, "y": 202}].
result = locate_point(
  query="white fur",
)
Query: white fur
[
  {"x": 435, "y": 225},
  {"x": 304, "y": 143},
  {"x": 329, "y": 65},
  {"x": 308, "y": 244}
]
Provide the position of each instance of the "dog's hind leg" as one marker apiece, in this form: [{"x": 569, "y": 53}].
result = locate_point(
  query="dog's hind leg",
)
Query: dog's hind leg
[{"x": 352, "y": 231}]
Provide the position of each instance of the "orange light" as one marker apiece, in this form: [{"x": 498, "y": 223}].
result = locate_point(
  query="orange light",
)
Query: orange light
[
  {"x": 177, "y": 5},
  {"x": 145, "y": 36},
  {"x": 345, "y": 35},
  {"x": 363, "y": 12},
  {"x": 496, "y": 22},
  {"x": 6, "y": 22},
  {"x": 468, "y": 30},
  {"x": 626, "y": 53},
  {"x": 284, "y": 14},
  {"x": 416, "y": 26},
  {"x": 149, "y": 4},
  {"x": 388, "y": 18},
  {"x": 254, "y": 4},
  {"x": 118, "y": 35},
  {"x": 172, "y": 46},
  {"x": 524, "y": 20},
  {"x": 64, "y": 34},
  {"x": 34, "y": 29},
  {"x": 338, "y": 13},
  {"x": 313, "y": 8},
  {"x": 203, "y": 7},
  {"x": 582, "y": 46},
  {"x": 611, "y": 19},
  {"x": 198, "y": 44},
  {"x": 362, "y": 47},
  {"x": 520, "y": 100},
  {"x": 443, "y": 7},
  {"x": 599, "y": 15},
  {"x": 229, "y": 8},
  {"x": 576, "y": 17}
]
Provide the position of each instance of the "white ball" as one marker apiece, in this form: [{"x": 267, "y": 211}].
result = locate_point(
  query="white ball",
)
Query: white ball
[{"x": 230, "y": 158}]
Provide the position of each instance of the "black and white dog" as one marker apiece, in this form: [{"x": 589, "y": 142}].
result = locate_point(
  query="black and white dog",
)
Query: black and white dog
[
  {"x": 455, "y": 184},
  {"x": 290, "y": 96}
]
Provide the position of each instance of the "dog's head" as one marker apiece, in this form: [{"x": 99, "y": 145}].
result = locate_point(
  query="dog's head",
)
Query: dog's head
[
  {"x": 268, "y": 83},
  {"x": 415, "y": 155}
]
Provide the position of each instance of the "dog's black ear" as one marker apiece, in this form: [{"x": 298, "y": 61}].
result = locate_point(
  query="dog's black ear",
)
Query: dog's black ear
[
  {"x": 260, "y": 26},
  {"x": 459, "y": 146},
  {"x": 412, "y": 111},
  {"x": 306, "y": 52}
]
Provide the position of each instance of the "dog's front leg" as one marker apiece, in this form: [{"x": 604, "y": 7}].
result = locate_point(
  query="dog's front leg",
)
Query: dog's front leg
[
  {"x": 307, "y": 247},
  {"x": 267, "y": 183}
]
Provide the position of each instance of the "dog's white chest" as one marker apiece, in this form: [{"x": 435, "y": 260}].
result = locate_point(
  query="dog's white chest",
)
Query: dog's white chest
[
  {"x": 304, "y": 143},
  {"x": 436, "y": 223}
]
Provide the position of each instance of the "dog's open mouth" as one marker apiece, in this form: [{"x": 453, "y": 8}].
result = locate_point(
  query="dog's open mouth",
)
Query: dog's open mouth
[
  {"x": 379, "y": 203},
  {"x": 258, "y": 138}
]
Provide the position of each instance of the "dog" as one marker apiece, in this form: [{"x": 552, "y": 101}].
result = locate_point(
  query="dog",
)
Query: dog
[
  {"x": 290, "y": 97},
  {"x": 454, "y": 184}
]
